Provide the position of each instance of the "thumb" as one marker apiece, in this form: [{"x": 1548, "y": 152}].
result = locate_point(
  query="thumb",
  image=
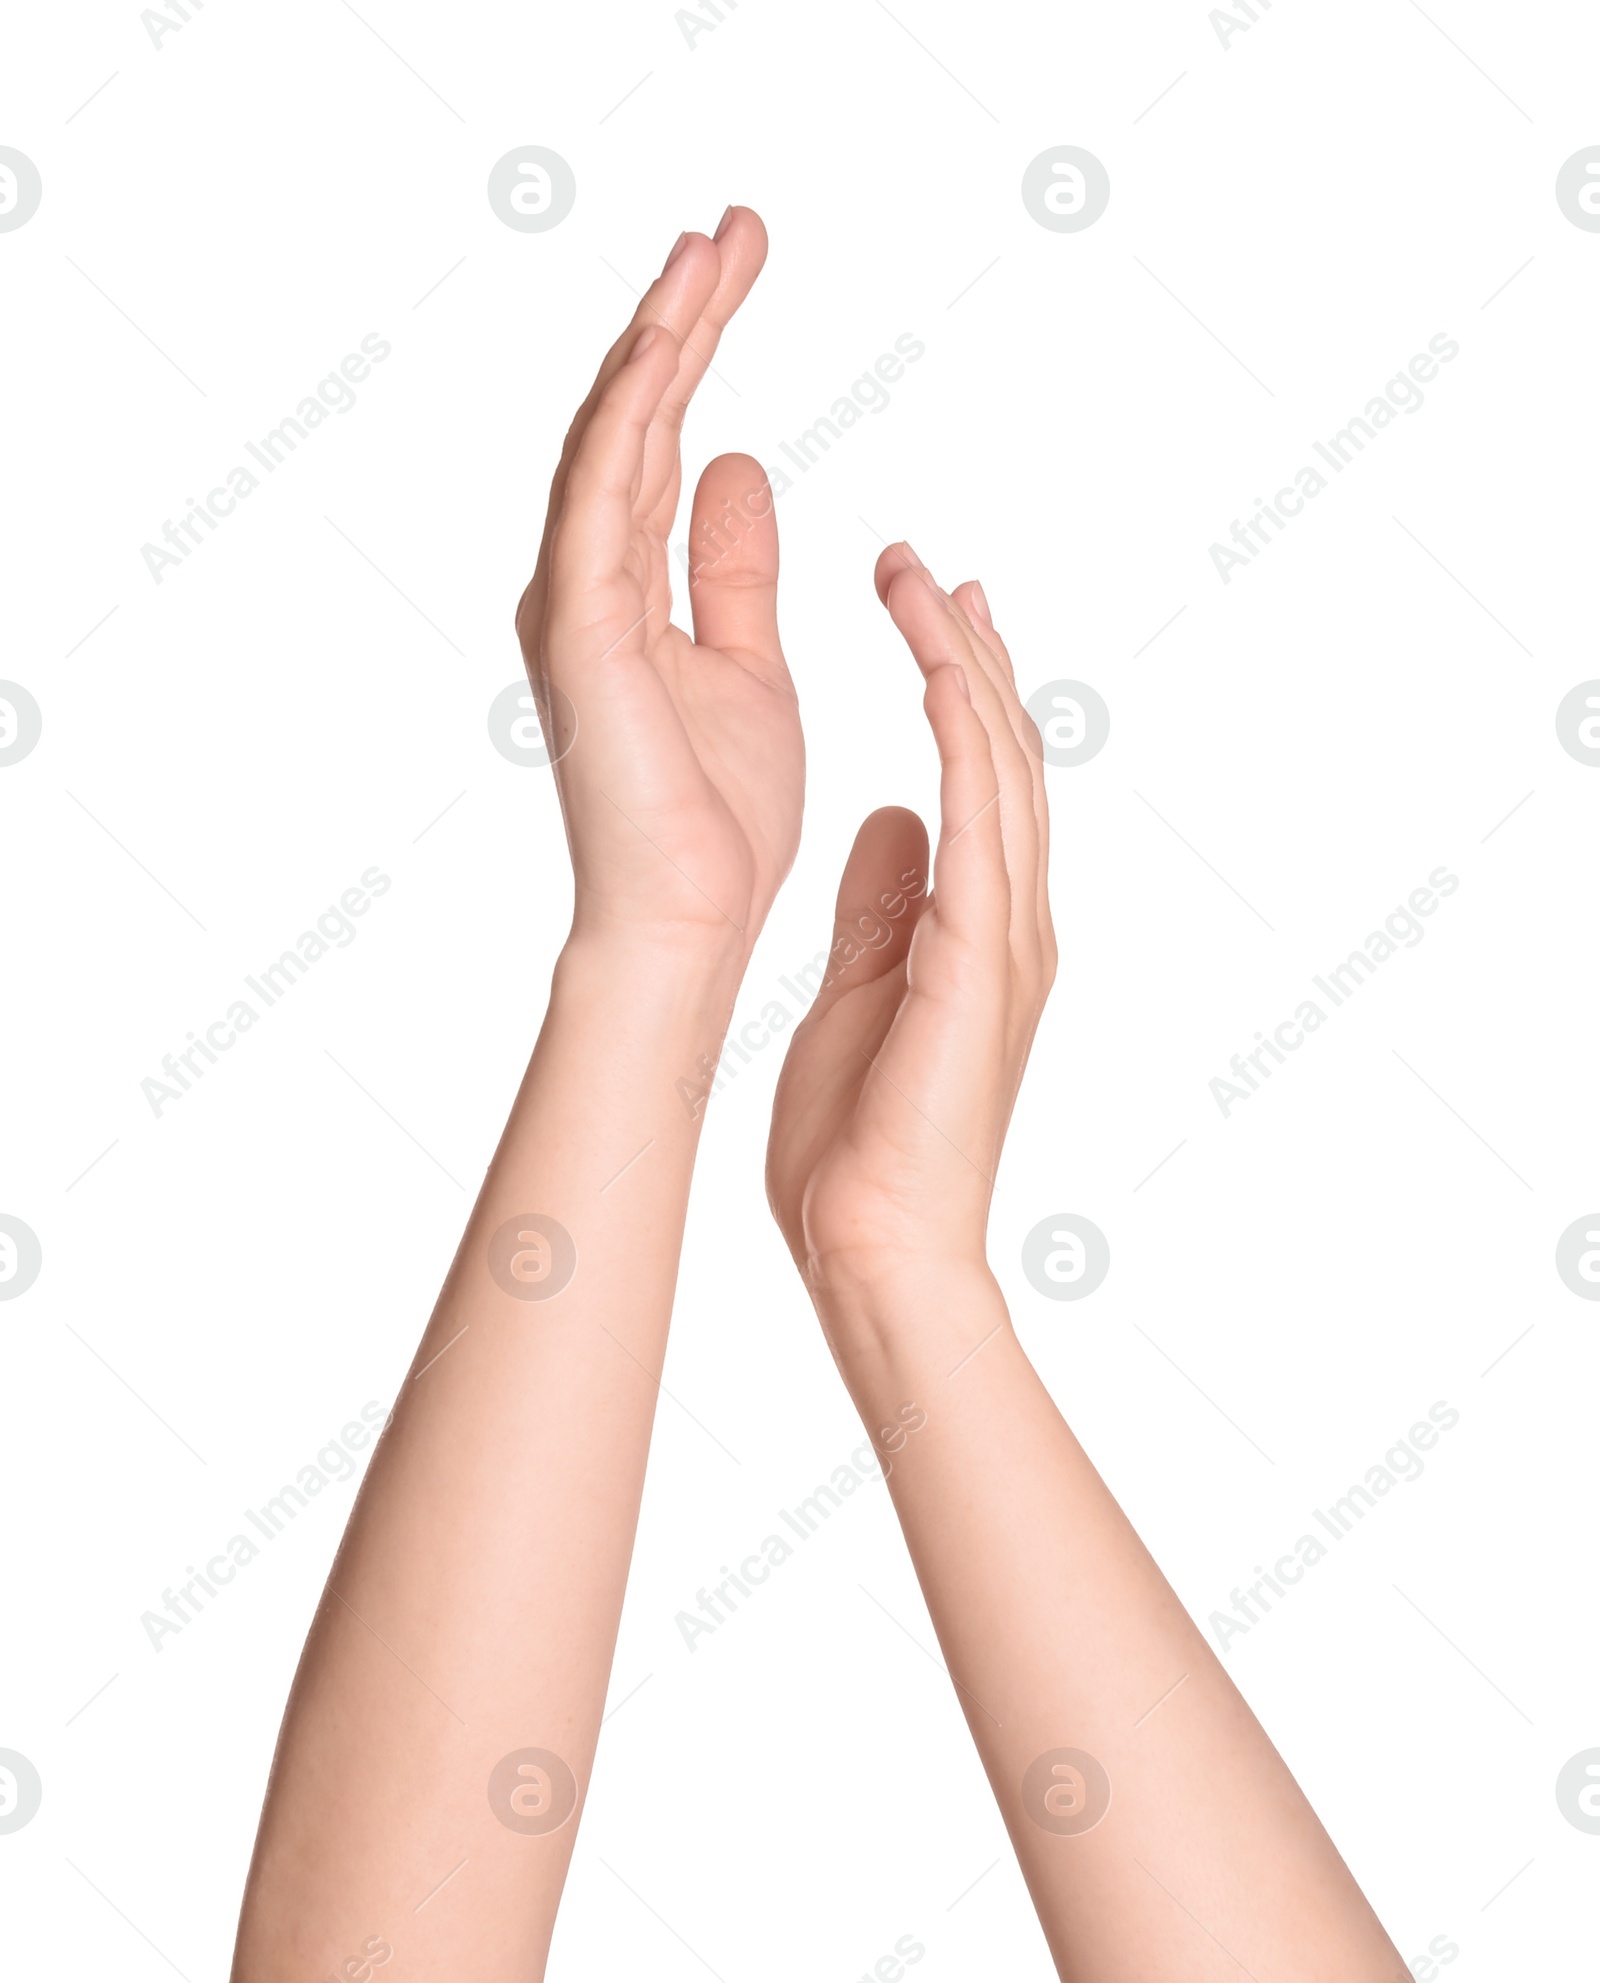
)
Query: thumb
[
  {"x": 883, "y": 891},
  {"x": 733, "y": 562},
  {"x": 882, "y": 894}
]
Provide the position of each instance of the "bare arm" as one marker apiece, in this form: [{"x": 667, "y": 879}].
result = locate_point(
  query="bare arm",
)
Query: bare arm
[
  {"x": 1158, "y": 1842},
  {"x": 448, "y": 1703}
]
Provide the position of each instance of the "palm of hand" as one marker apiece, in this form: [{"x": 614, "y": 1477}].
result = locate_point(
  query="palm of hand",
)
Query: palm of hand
[
  {"x": 899, "y": 1085},
  {"x": 888, "y": 1114}
]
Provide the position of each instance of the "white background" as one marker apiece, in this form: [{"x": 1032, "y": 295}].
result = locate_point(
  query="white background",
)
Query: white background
[{"x": 226, "y": 752}]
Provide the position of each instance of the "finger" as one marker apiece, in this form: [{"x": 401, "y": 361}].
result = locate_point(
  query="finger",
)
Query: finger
[
  {"x": 882, "y": 894},
  {"x": 596, "y": 525},
  {"x": 973, "y": 888},
  {"x": 966, "y": 603},
  {"x": 733, "y": 575},
  {"x": 1020, "y": 762},
  {"x": 970, "y": 608},
  {"x": 948, "y": 637},
  {"x": 971, "y": 600},
  {"x": 740, "y": 248},
  {"x": 892, "y": 559},
  {"x": 994, "y": 692},
  {"x": 741, "y": 244},
  {"x": 673, "y": 302}
]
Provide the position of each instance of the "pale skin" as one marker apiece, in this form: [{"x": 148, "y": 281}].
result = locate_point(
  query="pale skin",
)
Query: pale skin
[{"x": 472, "y": 1611}]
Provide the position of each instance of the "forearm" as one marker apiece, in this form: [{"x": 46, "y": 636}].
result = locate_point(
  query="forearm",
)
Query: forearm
[
  {"x": 1060, "y": 1633},
  {"x": 473, "y": 1608}
]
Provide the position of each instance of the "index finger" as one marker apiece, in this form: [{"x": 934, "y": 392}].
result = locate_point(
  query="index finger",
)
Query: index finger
[
  {"x": 741, "y": 245},
  {"x": 674, "y": 301}
]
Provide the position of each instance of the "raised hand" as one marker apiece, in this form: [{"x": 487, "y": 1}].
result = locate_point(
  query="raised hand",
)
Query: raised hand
[
  {"x": 1153, "y": 1850},
  {"x": 682, "y": 784},
  {"x": 459, "y": 1661},
  {"x": 899, "y": 1083}
]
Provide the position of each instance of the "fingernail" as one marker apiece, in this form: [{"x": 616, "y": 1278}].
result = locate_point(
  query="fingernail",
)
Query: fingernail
[
  {"x": 722, "y": 225},
  {"x": 677, "y": 250},
  {"x": 961, "y": 680},
  {"x": 982, "y": 605},
  {"x": 643, "y": 342}
]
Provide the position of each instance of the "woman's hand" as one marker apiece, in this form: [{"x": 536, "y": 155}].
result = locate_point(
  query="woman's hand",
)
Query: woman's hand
[
  {"x": 1193, "y": 1852},
  {"x": 899, "y": 1083},
  {"x": 679, "y": 761}
]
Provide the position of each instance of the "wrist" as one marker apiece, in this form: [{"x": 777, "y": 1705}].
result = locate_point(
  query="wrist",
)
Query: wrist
[
  {"x": 648, "y": 1020},
  {"x": 880, "y": 1311},
  {"x": 688, "y": 978}
]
